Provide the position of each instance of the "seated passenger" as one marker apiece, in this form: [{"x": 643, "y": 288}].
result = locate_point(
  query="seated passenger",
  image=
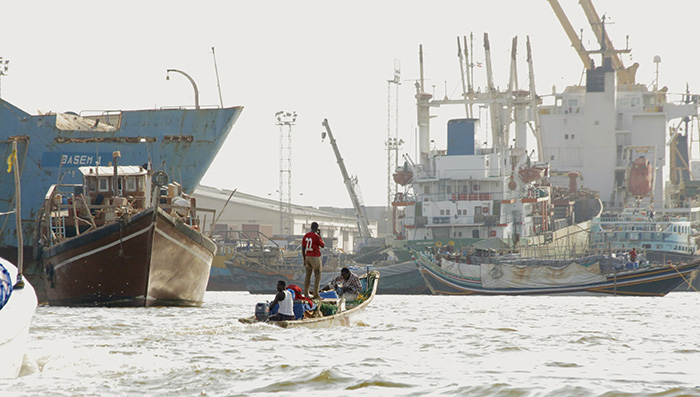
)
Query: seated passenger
[
  {"x": 285, "y": 301},
  {"x": 347, "y": 285}
]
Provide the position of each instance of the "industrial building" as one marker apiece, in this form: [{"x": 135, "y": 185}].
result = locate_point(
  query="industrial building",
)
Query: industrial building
[{"x": 281, "y": 223}]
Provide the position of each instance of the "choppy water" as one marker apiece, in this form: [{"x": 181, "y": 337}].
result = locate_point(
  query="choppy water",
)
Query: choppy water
[{"x": 406, "y": 346}]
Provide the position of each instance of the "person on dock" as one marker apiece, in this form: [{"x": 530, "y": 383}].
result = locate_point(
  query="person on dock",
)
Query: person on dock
[
  {"x": 311, "y": 251},
  {"x": 285, "y": 301},
  {"x": 347, "y": 285}
]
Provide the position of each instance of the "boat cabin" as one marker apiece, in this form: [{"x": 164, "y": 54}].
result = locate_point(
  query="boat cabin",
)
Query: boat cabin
[{"x": 132, "y": 183}]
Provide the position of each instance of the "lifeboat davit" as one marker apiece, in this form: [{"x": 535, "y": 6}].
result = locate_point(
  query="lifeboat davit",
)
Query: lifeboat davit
[
  {"x": 640, "y": 177},
  {"x": 403, "y": 176}
]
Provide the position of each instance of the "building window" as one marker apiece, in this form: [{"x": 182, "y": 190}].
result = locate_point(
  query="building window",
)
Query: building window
[
  {"x": 566, "y": 136},
  {"x": 447, "y": 212},
  {"x": 131, "y": 184},
  {"x": 551, "y": 158},
  {"x": 104, "y": 185},
  {"x": 442, "y": 212},
  {"x": 572, "y": 136}
]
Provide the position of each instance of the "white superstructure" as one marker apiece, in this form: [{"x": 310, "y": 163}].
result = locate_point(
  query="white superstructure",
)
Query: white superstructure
[{"x": 601, "y": 127}]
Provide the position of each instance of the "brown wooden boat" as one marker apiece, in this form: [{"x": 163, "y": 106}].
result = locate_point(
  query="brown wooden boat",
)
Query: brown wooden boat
[{"x": 127, "y": 249}]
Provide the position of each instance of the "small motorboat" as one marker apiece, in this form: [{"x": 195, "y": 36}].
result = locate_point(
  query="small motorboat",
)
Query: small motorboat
[{"x": 328, "y": 312}]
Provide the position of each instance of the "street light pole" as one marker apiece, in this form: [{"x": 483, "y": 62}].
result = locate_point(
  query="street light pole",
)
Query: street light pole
[{"x": 194, "y": 85}]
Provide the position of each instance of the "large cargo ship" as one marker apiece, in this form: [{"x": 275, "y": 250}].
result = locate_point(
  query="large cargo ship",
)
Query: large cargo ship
[
  {"x": 628, "y": 140},
  {"x": 52, "y": 146}
]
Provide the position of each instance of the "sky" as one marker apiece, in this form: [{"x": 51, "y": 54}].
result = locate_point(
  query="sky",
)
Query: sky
[{"x": 322, "y": 59}]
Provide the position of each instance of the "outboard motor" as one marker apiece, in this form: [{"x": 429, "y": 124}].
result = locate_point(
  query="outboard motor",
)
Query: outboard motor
[{"x": 262, "y": 311}]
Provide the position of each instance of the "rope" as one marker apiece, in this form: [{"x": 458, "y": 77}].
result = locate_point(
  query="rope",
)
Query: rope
[{"x": 684, "y": 279}]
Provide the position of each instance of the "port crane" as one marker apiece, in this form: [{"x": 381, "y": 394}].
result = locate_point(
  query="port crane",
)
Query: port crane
[{"x": 362, "y": 222}]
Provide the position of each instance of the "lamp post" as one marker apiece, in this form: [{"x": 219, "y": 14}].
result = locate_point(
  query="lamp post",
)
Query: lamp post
[
  {"x": 285, "y": 120},
  {"x": 4, "y": 65},
  {"x": 194, "y": 85}
]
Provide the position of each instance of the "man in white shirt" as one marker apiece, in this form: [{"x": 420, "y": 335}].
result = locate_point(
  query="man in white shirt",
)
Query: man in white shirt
[{"x": 285, "y": 301}]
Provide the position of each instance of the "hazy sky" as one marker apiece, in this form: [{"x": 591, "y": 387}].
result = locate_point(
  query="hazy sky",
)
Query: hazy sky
[{"x": 322, "y": 59}]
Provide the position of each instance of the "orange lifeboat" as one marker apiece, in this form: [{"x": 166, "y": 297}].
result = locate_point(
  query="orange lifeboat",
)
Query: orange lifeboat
[
  {"x": 531, "y": 174},
  {"x": 403, "y": 175},
  {"x": 640, "y": 177}
]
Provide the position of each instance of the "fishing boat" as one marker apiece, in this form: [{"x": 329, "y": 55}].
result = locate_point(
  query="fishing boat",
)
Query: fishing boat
[
  {"x": 592, "y": 275},
  {"x": 17, "y": 307},
  {"x": 115, "y": 241},
  {"x": 183, "y": 141},
  {"x": 329, "y": 312}
]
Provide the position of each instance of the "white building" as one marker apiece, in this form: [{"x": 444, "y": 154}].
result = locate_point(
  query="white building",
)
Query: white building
[{"x": 338, "y": 231}]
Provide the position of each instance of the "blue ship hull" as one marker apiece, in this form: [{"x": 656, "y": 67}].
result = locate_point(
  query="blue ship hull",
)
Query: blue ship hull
[{"x": 182, "y": 142}]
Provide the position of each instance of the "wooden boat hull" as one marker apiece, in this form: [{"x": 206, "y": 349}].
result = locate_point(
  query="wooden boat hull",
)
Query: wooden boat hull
[
  {"x": 654, "y": 281},
  {"x": 402, "y": 279},
  {"x": 146, "y": 260},
  {"x": 345, "y": 318},
  {"x": 15, "y": 319}
]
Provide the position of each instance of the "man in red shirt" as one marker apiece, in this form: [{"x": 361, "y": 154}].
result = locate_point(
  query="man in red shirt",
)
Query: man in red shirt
[{"x": 311, "y": 250}]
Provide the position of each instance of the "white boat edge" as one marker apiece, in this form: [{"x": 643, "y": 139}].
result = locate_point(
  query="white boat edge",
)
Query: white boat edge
[{"x": 15, "y": 319}]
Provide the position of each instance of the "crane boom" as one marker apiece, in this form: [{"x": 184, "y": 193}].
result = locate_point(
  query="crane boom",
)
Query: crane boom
[
  {"x": 362, "y": 222},
  {"x": 575, "y": 40}
]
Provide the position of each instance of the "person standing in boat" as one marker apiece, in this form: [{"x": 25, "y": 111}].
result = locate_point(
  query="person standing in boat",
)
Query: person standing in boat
[
  {"x": 311, "y": 251},
  {"x": 285, "y": 301},
  {"x": 633, "y": 255}
]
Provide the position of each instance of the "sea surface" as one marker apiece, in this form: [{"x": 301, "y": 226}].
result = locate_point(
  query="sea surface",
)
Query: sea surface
[{"x": 404, "y": 346}]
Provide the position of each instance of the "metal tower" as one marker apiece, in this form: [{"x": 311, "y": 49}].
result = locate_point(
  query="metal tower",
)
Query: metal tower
[{"x": 285, "y": 120}]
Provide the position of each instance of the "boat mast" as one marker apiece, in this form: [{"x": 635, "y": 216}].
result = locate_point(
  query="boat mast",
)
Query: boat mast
[{"x": 14, "y": 163}]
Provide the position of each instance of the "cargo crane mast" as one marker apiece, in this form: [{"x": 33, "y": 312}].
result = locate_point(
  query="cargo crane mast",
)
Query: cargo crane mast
[
  {"x": 495, "y": 107},
  {"x": 534, "y": 103},
  {"x": 362, "y": 222}
]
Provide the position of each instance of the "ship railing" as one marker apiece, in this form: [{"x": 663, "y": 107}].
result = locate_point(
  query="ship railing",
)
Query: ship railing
[
  {"x": 111, "y": 117},
  {"x": 475, "y": 196}
]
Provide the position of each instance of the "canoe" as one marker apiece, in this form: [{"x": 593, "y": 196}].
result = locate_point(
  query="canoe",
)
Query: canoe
[
  {"x": 15, "y": 318},
  {"x": 347, "y": 317}
]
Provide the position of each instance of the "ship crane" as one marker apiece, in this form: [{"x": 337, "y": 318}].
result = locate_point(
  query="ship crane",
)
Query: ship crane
[
  {"x": 625, "y": 75},
  {"x": 363, "y": 224}
]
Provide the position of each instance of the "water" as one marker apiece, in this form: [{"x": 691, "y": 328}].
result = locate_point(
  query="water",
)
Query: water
[{"x": 405, "y": 346}]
